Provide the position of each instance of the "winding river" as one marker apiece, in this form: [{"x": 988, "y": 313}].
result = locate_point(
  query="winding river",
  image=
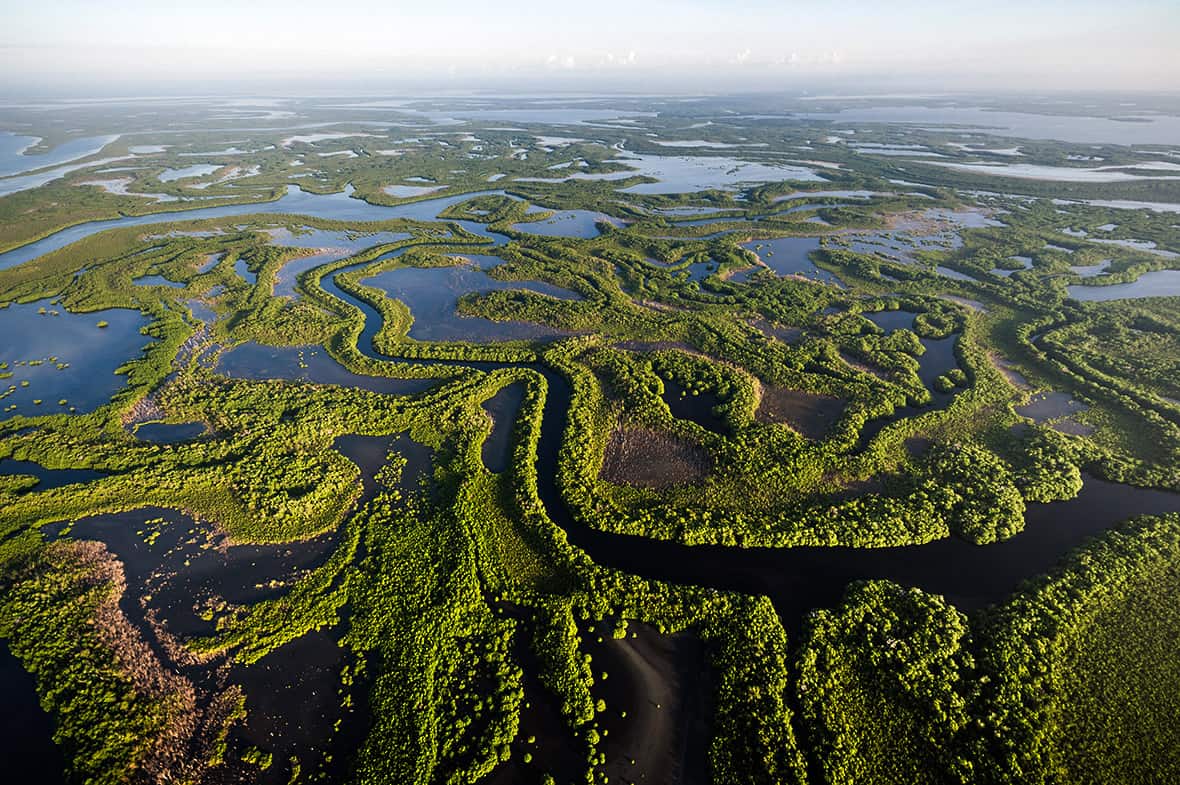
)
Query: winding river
[
  {"x": 796, "y": 579},
  {"x": 803, "y": 578}
]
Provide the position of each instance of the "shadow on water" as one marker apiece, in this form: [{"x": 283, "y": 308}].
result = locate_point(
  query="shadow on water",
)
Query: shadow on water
[
  {"x": 47, "y": 478},
  {"x": 169, "y": 432},
  {"x": 502, "y": 408},
  {"x": 892, "y": 320},
  {"x": 698, "y": 407},
  {"x": 26, "y": 731},
  {"x": 657, "y": 717},
  {"x": 543, "y": 733},
  {"x": 182, "y": 575}
]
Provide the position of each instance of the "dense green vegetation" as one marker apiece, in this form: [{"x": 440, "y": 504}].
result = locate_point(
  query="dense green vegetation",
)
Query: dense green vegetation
[
  {"x": 1050, "y": 686},
  {"x": 1075, "y": 660},
  {"x": 688, "y": 395},
  {"x": 880, "y": 681}
]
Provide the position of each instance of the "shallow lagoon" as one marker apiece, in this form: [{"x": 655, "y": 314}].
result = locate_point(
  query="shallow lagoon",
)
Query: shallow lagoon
[
  {"x": 432, "y": 295},
  {"x": 1026, "y": 263},
  {"x": 1158, "y": 283},
  {"x": 1063, "y": 174},
  {"x": 118, "y": 186},
  {"x": 891, "y": 320},
  {"x": 856, "y": 194},
  {"x": 11, "y": 185},
  {"x": 932, "y": 230},
  {"x": 1046, "y": 406},
  {"x": 92, "y": 353},
  {"x": 308, "y": 364},
  {"x": 1144, "y": 246},
  {"x": 332, "y": 245},
  {"x": 790, "y": 256},
  {"x": 1090, "y": 270},
  {"x": 1127, "y": 204},
  {"x": 242, "y": 268},
  {"x": 184, "y": 173},
  {"x": 410, "y": 191},
  {"x": 954, "y": 275},
  {"x": 568, "y": 223},
  {"x": 156, "y": 280},
  {"x": 688, "y": 174}
]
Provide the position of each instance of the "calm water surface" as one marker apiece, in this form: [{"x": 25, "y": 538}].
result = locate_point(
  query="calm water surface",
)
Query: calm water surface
[{"x": 92, "y": 354}]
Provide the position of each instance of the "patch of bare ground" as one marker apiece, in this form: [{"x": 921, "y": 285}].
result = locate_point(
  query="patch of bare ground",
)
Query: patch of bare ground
[
  {"x": 857, "y": 489},
  {"x": 1072, "y": 427},
  {"x": 1010, "y": 372},
  {"x": 788, "y": 335},
  {"x": 971, "y": 305},
  {"x": 145, "y": 409},
  {"x": 657, "y": 346},
  {"x": 662, "y": 307},
  {"x": 653, "y": 459},
  {"x": 811, "y": 415},
  {"x": 912, "y": 221},
  {"x": 655, "y": 706},
  {"x": 192, "y": 346},
  {"x": 864, "y": 367},
  {"x": 180, "y": 749},
  {"x": 148, "y": 408},
  {"x": 917, "y": 446}
]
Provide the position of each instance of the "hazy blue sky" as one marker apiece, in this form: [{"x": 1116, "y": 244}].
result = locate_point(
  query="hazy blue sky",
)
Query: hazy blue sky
[{"x": 697, "y": 44}]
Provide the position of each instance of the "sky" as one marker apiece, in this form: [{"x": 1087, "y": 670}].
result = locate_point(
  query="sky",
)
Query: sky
[{"x": 690, "y": 45}]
